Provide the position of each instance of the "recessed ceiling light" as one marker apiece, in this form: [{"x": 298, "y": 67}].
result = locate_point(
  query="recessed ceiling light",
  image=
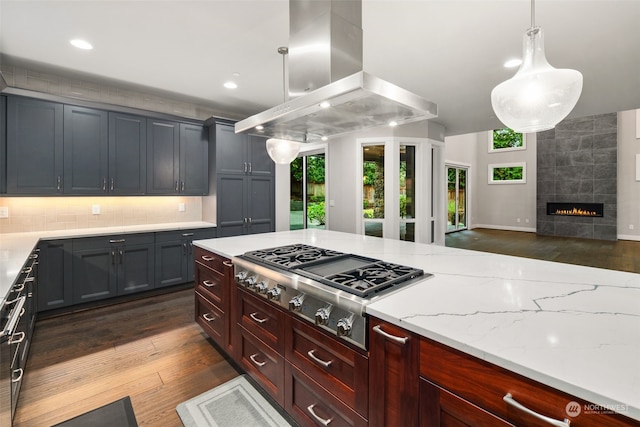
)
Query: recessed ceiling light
[
  {"x": 81, "y": 44},
  {"x": 324, "y": 138},
  {"x": 512, "y": 63},
  {"x": 230, "y": 85},
  {"x": 325, "y": 104},
  {"x": 393, "y": 123}
]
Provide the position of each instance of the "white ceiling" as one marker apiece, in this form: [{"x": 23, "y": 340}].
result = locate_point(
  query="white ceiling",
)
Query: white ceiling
[{"x": 448, "y": 51}]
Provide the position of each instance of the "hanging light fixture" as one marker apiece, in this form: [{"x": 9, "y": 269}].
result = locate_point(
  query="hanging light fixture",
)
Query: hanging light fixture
[
  {"x": 283, "y": 151},
  {"x": 538, "y": 96}
]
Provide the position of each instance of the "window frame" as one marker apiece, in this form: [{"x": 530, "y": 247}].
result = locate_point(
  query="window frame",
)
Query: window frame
[
  {"x": 492, "y": 149},
  {"x": 493, "y": 166}
]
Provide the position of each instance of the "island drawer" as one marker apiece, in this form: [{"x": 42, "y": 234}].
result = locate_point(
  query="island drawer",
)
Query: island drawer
[
  {"x": 261, "y": 319},
  {"x": 485, "y": 385},
  {"x": 210, "y": 283},
  {"x": 211, "y": 260},
  {"x": 210, "y": 318},
  {"x": 311, "y": 405},
  {"x": 262, "y": 363},
  {"x": 330, "y": 363}
]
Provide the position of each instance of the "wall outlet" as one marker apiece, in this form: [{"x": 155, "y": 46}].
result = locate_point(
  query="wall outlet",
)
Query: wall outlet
[
  {"x": 4, "y": 212},
  {"x": 95, "y": 209},
  {"x": 181, "y": 207},
  {"x": 526, "y": 220},
  {"x": 630, "y": 226},
  {"x": 518, "y": 220}
]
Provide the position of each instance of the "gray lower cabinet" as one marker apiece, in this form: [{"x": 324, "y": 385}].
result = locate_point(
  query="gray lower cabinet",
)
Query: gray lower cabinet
[
  {"x": 104, "y": 267},
  {"x": 174, "y": 255},
  {"x": 54, "y": 270},
  {"x": 34, "y": 146}
]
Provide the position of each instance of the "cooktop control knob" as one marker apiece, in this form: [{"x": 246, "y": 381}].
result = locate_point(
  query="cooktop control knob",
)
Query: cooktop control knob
[
  {"x": 274, "y": 294},
  {"x": 344, "y": 326},
  {"x": 322, "y": 315},
  {"x": 261, "y": 287},
  {"x": 241, "y": 276},
  {"x": 296, "y": 302},
  {"x": 251, "y": 282}
]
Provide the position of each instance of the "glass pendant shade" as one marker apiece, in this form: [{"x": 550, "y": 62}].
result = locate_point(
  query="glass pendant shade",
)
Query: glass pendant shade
[
  {"x": 538, "y": 96},
  {"x": 282, "y": 151}
]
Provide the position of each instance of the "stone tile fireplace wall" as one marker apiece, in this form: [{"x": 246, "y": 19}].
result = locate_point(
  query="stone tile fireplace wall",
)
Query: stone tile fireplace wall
[{"x": 577, "y": 163}]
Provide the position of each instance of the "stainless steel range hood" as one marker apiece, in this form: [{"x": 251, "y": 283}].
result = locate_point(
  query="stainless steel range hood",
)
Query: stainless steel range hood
[{"x": 325, "y": 67}]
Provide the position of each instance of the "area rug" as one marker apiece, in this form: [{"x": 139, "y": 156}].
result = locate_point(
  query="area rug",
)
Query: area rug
[
  {"x": 118, "y": 413},
  {"x": 232, "y": 404}
]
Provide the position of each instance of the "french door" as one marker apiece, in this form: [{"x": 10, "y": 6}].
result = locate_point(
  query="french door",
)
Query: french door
[
  {"x": 307, "y": 209},
  {"x": 456, "y": 198}
]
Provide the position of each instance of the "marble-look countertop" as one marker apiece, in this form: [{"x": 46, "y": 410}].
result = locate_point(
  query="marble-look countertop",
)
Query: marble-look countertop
[
  {"x": 574, "y": 328},
  {"x": 16, "y": 247}
]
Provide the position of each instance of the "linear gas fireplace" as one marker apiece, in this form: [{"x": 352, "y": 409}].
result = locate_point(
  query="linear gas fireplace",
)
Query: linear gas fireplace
[{"x": 593, "y": 210}]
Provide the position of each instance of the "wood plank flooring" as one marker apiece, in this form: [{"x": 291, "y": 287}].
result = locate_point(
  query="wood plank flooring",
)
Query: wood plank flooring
[
  {"x": 149, "y": 349},
  {"x": 622, "y": 255}
]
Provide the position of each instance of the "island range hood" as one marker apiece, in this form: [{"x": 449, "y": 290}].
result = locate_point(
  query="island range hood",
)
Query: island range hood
[{"x": 329, "y": 93}]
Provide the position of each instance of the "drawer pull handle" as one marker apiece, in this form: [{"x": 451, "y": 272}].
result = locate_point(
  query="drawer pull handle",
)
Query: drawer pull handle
[
  {"x": 256, "y": 318},
  {"x": 258, "y": 364},
  {"x": 20, "y": 371},
  {"x": 319, "y": 419},
  {"x": 207, "y": 258},
  {"x": 14, "y": 340},
  {"x": 228, "y": 263},
  {"x": 208, "y": 283},
  {"x": 209, "y": 317},
  {"x": 511, "y": 401},
  {"x": 316, "y": 359},
  {"x": 400, "y": 340}
]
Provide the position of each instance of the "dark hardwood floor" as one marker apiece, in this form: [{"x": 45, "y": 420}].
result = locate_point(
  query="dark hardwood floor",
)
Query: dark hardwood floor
[
  {"x": 623, "y": 255},
  {"x": 150, "y": 349}
]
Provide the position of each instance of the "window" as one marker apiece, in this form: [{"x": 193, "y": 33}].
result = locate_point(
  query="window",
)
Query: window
[
  {"x": 307, "y": 209},
  {"x": 408, "y": 193},
  {"x": 373, "y": 189},
  {"x": 508, "y": 173},
  {"x": 506, "y": 140}
]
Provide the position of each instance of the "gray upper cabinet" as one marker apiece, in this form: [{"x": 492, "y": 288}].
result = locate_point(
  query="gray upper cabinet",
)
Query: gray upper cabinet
[
  {"x": 34, "y": 146},
  {"x": 241, "y": 154},
  {"x": 260, "y": 164},
  {"x": 86, "y": 158},
  {"x": 194, "y": 159},
  {"x": 163, "y": 157},
  {"x": 177, "y": 158},
  {"x": 127, "y": 154},
  {"x": 3, "y": 144}
]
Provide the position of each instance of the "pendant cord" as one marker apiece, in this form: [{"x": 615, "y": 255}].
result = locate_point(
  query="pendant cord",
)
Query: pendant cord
[
  {"x": 533, "y": 14},
  {"x": 284, "y": 51}
]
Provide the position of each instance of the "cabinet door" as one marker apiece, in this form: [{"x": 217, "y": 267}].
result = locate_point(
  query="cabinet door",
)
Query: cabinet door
[
  {"x": 232, "y": 201},
  {"x": 34, "y": 146},
  {"x": 189, "y": 236},
  {"x": 135, "y": 268},
  {"x": 54, "y": 273},
  {"x": 86, "y": 161},
  {"x": 171, "y": 263},
  {"x": 194, "y": 160},
  {"x": 127, "y": 154},
  {"x": 94, "y": 274},
  {"x": 163, "y": 157},
  {"x": 231, "y": 151},
  {"x": 394, "y": 362},
  {"x": 3, "y": 144},
  {"x": 261, "y": 204},
  {"x": 259, "y": 160}
]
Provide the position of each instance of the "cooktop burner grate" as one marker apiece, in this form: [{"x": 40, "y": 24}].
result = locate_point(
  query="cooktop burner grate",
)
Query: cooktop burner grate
[
  {"x": 373, "y": 278},
  {"x": 293, "y": 255}
]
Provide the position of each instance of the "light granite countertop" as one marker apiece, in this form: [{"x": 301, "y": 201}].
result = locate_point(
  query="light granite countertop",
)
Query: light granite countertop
[
  {"x": 16, "y": 247},
  {"x": 574, "y": 328}
]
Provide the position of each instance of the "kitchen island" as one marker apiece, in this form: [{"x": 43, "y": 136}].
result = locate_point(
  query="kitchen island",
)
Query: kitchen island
[{"x": 573, "y": 328}]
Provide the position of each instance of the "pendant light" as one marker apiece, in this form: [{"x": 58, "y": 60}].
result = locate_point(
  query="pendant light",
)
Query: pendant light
[
  {"x": 538, "y": 96},
  {"x": 283, "y": 151}
]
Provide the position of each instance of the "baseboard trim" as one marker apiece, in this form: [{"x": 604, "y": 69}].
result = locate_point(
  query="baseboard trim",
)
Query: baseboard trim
[
  {"x": 628, "y": 237},
  {"x": 504, "y": 227}
]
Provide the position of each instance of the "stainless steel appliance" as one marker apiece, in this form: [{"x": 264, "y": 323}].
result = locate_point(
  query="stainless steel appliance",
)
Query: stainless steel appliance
[{"x": 328, "y": 288}]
